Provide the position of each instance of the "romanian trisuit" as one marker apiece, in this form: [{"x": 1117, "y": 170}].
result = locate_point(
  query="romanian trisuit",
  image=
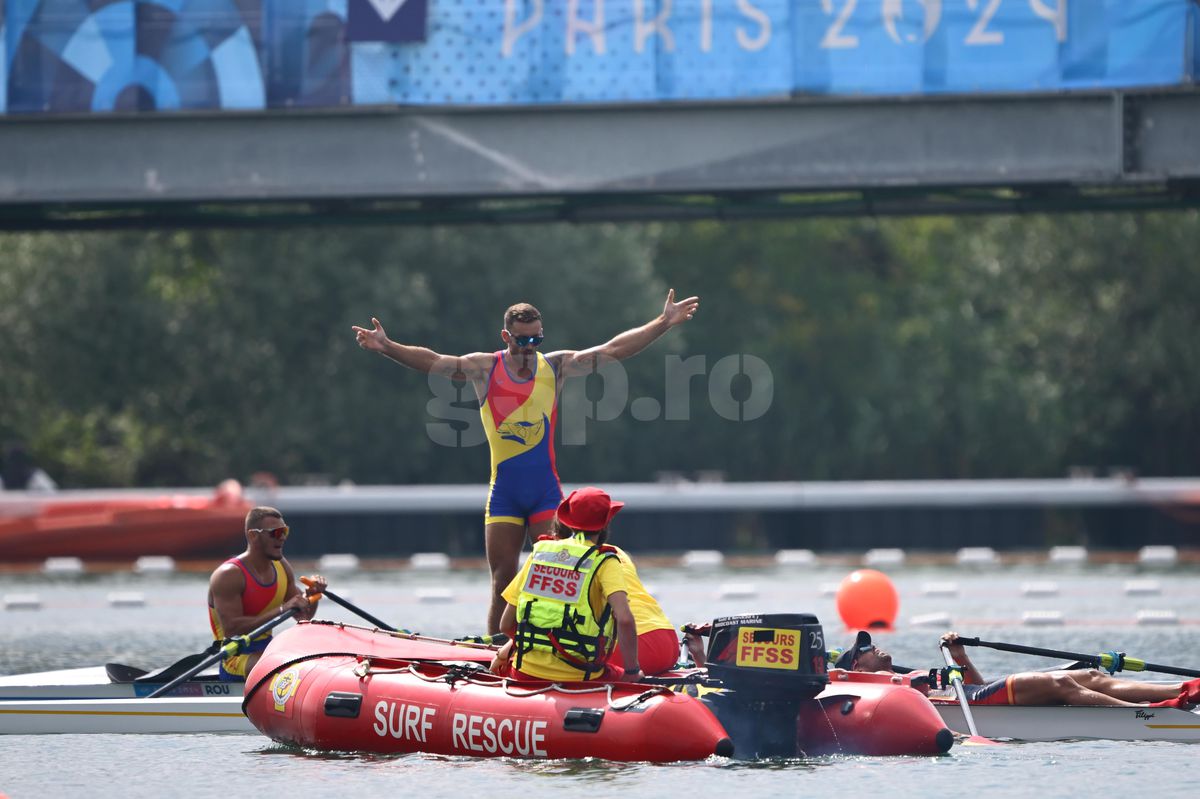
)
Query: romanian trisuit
[
  {"x": 257, "y": 598},
  {"x": 565, "y": 629},
  {"x": 519, "y": 417}
]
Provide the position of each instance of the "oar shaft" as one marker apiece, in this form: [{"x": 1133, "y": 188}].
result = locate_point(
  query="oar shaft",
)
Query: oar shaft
[
  {"x": 960, "y": 692},
  {"x": 1096, "y": 661},
  {"x": 228, "y": 650},
  {"x": 350, "y": 606}
]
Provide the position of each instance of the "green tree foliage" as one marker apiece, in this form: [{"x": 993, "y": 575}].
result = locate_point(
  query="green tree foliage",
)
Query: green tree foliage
[{"x": 901, "y": 348}]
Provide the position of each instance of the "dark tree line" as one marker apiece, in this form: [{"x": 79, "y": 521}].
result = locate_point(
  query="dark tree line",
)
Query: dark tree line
[{"x": 903, "y": 348}]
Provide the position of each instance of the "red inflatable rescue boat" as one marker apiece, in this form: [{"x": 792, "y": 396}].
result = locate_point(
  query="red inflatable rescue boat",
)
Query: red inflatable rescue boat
[
  {"x": 337, "y": 687},
  {"x": 323, "y": 686}
]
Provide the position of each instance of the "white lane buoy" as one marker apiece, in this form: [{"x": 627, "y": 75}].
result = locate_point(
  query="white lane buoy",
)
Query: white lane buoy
[
  {"x": 1142, "y": 588},
  {"x": 1042, "y": 618},
  {"x": 1068, "y": 555},
  {"x": 431, "y": 596},
  {"x": 429, "y": 561},
  {"x": 939, "y": 589},
  {"x": 884, "y": 556},
  {"x": 154, "y": 564},
  {"x": 63, "y": 566},
  {"x": 701, "y": 558},
  {"x": 1158, "y": 555},
  {"x": 737, "y": 591},
  {"x": 22, "y": 602},
  {"x": 976, "y": 556},
  {"x": 795, "y": 557},
  {"x": 942, "y": 620},
  {"x": 1045, "y": 588},
  {"x": 1151, "y": 616},
  {"x": 127, "y": 599},
  {"x": 338, "y": 562}
]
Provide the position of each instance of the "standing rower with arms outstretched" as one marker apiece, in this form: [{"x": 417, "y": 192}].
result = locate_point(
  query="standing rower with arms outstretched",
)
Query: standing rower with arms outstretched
[{"x": 518, "y": 390}]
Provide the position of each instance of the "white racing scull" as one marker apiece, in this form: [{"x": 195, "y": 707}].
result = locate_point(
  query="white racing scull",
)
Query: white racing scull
[{"x": 88, "y": 700}]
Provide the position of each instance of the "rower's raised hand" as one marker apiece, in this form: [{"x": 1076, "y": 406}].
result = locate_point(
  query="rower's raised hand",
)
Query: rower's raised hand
[
  {"x": 374, "y": 339},
  {"x": 679, "y": 312}
]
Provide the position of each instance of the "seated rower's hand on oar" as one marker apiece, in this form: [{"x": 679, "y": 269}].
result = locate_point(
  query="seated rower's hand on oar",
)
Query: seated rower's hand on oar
[
  {"x": 950, "y": 642},
  {"x": 316, "y": 585}
]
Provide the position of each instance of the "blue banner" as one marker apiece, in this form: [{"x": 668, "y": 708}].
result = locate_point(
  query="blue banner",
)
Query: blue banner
[{"x": 162, "y": 55}]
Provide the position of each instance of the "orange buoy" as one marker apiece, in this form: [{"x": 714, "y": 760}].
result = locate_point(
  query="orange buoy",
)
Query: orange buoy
[{"x": 867, "y": 600}]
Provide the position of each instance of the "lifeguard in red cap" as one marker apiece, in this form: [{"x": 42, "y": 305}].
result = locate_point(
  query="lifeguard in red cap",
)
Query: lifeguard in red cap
[{"x": 577, "y": 596}]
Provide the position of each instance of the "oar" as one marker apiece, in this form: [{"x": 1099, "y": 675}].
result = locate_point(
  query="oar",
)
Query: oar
[
  {"x": 233, "y": 647},
  {"x": 961, "y": 693},
  {"x": 1108, "y": 660},
  {"x": 350, "y": 606}
]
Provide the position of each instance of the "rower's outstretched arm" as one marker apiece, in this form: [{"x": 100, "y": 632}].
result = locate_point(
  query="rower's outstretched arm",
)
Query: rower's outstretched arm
[
  {"x": 422, "y": 359},
  {"x": 631, "y": 342}
]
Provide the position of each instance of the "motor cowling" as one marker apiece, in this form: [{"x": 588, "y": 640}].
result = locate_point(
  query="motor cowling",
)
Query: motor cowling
[{"x": 779, "y": 656}]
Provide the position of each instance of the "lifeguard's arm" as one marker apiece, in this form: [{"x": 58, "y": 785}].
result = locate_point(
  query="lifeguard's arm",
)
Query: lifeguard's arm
[
  {"x": 629, "y": 343},
  {"x": 627, "y": 636},
  {"x": 472, "y": 366},
  {"x": 957, "y": 651},
  {"x": 226, "y": 585},
  {"x": 508, "y": 621}
]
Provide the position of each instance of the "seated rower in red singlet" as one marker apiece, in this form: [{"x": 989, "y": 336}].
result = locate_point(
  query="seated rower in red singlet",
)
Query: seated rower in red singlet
[{"x": 252, "y": 588}]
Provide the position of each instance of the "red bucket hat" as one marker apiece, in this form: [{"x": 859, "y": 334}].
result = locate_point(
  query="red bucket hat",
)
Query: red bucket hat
[{"x": 588, "y": 509}]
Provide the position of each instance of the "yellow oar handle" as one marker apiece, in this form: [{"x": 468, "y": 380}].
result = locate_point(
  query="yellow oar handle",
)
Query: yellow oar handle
[{"x": 236, "y": 645}]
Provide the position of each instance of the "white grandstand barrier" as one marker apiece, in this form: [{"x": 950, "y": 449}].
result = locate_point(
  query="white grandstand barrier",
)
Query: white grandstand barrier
[
  {"x": 976, "y": 556},
  {"x": 702, "y": 558},
  {"x": 154, "y": 564},
  {"x": 1044, "y": 588},
  {"x": 432, "y": 596},
  {"x": 829, "y": 589},
  {"x": 1158, "y": 556},
  {"x": 429, "y": 561},
  {"x": 931, "y": 620},
  {"x": 126, "y": 599},
  {"x": 1142, "y": 588},
  {"x": 1042, "y": 618},
  {"x": 884, "y": 556},
  {"x": 1068, "y": 555},
  {"x": 939, "y": 589},
  {"x": 1150, "y": 616},
  {"x": 737, "y": 591},
  {"x": 795, "y": 557},
  {"x": 22, "y": 602},
  {"x": 338, "y": 562},
  {"x": 63, "y": 566}
]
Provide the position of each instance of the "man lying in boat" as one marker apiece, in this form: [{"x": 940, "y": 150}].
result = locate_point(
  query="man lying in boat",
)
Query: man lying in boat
[
  {"x": 252, "y": 588},
  {"x": 1065, "y": 687},
  {"x": 570, "y": 597}
]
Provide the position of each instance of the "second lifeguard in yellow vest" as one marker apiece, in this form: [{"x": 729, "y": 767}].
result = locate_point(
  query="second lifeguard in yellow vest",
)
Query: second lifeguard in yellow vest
[{"x": 568, "y": 606}]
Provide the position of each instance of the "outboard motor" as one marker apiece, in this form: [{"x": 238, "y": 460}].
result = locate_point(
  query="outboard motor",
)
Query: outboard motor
[{"x": 768, "y": 664}]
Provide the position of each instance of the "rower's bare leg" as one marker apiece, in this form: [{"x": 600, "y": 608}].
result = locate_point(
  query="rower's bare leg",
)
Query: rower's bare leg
[
  {"x": 1128, "y": 690},
  {"x": 1058, "y": 688},
  {"x": 503, "y": 542}
]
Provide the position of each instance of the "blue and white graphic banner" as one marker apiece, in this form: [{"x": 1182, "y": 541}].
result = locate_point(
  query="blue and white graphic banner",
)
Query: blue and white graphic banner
[{"x": 151, "y": 55}]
